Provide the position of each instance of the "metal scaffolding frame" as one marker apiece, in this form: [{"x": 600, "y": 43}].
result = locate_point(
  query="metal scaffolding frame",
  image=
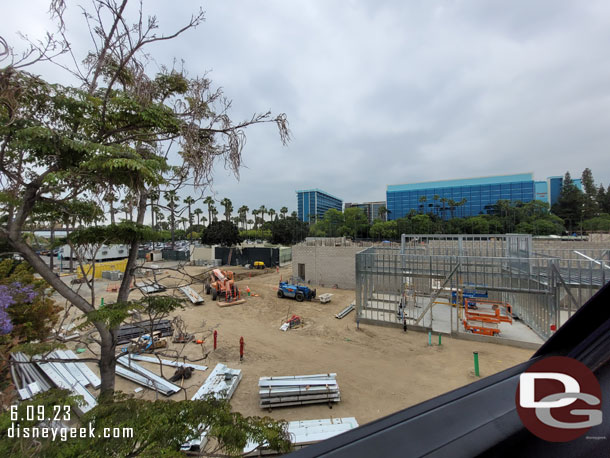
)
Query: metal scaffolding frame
[{"x": 395, "y": 285}]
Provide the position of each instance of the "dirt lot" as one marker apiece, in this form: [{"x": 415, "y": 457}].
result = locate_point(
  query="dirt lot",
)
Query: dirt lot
[{"x": 379, "y": 370}]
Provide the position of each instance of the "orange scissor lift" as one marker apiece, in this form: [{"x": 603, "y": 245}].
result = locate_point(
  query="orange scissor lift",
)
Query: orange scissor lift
[{"x": 487, "y": 316}]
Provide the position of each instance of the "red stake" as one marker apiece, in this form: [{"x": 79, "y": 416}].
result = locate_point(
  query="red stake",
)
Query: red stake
[
  {"x": 241, "y": 348},
  {"x": 215, "y": 338}
]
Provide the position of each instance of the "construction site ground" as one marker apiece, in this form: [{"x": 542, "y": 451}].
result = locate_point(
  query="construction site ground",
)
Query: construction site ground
[{"x": 380, "y": 370}]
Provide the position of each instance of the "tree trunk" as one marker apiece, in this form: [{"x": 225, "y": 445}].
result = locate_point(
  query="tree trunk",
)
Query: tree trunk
[
  {"x": 133, "y": 253},
  {"x": 52, "y": 240},
  {"x": 111, "y": 212},
  {"x": 107, "y": 360}
]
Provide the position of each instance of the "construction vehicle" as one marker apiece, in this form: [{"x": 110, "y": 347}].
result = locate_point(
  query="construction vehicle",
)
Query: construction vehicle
[
  {"x": 298, "y": 292},
  {"x": 222, "y": 283},
  {"x": 259, "y": 265},
  {"x": 486, "y": 315}
]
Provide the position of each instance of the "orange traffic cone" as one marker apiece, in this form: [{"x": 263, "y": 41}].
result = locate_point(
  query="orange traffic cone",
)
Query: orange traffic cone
[{"x": 248, "y": 290}]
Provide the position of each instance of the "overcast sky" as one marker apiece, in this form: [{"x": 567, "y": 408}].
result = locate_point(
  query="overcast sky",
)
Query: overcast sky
[{"x": 389, "y": 91}]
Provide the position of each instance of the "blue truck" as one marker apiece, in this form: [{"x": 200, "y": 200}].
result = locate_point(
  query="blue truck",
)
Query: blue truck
[{"x": 298, "y": 292}]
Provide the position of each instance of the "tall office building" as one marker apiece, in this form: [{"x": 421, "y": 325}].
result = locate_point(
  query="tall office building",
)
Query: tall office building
[
  {"x": 469, "y": 196},
  {"x": 313, "y": 203},
  {"x": 371, "y": 210}
]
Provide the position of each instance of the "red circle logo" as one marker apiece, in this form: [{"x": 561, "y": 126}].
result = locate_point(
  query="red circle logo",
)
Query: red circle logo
[{"x": 559, "y": 399}]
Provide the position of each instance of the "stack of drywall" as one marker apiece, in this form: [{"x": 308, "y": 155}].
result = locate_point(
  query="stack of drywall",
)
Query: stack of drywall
[
  {"x": 298, "y": 390},
  {"x": 138, "y": 374},
  {"x": 221, "y": 383},
  {"x": 307, "y": 432}
]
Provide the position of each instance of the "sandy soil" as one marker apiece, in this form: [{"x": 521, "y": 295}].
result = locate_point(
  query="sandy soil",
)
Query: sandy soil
[{"x": 379, "y": 370}]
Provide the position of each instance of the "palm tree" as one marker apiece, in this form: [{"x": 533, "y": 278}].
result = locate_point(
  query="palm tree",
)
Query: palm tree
[
  {"x": 243, "y": 211},
  {"x": 249, "y": 222},
  {"x": 171, "y": 198},
  {"x": 436, "y": 197},
  {"x": 423, "y": 200},
  {"x": 210, "y": 203},
  {"x": 283, "y": 212},
  {"x": 381, "y": 212},
  {"x": 183, "y": 221},
  {"x": 160, "y": 217},
  {"x": 462, "y": 202},
  {"x": 198, "y": 212},
  {"x": 294, "y": 214},
  {"x": 228, "y": 205},
  {"x": 452, "y": 204},
  {"x": 262, "y": 210},
  {"x": 254, "y": 214},
  {"x": 111, "y": 198},
  {"x": 154, "y": 197},
  {"x": 189, "y": 201},
  {"x": 443, "y": 201},
  {"x": 271, "y": 213},
  {"x": 214, "y": 213}
]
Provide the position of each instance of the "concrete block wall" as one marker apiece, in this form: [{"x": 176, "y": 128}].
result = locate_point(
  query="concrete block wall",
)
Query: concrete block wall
[
  {"x": 203, "y": 252},
  {"x": 327, "y": 265}
]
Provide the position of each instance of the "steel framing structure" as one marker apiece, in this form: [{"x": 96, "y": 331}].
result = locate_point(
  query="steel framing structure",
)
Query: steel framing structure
[{"x": 392, "y": 284}]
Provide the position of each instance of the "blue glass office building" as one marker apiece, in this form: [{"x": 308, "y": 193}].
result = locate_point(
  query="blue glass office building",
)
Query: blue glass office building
[
  {"x": 464, "y": 197},
  {"x": 313, "y": 203}
]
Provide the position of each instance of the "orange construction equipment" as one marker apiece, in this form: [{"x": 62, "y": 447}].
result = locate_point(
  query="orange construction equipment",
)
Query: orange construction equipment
[
  {"x": 222, "y": 284},
  {"x": 486, "y": 318}
]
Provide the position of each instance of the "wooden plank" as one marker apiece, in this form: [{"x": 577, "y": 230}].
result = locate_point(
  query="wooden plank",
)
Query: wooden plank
[{"x": 229, "y": 304}]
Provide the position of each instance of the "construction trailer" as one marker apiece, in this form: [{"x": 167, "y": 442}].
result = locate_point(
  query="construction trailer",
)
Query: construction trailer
[
  {"x": 417, "y": 282},
  {"x": 88, "y": 253}
]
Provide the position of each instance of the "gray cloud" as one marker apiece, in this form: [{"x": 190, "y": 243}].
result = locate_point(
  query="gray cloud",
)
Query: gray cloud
[{"x": 392, "y": 92}]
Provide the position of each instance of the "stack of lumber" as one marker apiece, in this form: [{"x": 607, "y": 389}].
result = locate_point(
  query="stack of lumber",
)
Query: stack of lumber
[
  {"x": 135, "y": 330},
  {"x": 295, "y": 390}
]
